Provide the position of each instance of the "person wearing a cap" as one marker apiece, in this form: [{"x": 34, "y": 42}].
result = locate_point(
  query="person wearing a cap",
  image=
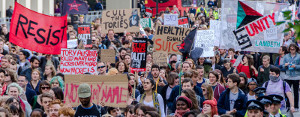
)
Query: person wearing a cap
[
  {"x": 232, "y": 100},
  {"x": 266, "y": 101},
  {"x": 87, "y": 108},
  {"x": 274, "y": 110},
  {"x": 183, "y": 105},
  {"x": 279, "y": 87},
  {"x": 251, "y": 85},
  {"x": 259, "y": 91},
  {"x": 255, "y": 108}
]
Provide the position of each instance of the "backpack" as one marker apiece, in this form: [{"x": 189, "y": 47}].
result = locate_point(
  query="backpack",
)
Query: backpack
[{"x": 284, "y": 85}]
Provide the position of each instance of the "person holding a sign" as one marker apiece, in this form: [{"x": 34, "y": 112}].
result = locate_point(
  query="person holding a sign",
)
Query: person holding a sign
[{"x": 151, "y": 98}]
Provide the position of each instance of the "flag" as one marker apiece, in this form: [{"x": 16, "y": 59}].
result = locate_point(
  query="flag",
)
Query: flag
[
  {"x": 38, "y": 32},
  {"x": 187, "y": 44},
  {"x": 74, "y": 7},
  {"x": 245, "y": 15}
]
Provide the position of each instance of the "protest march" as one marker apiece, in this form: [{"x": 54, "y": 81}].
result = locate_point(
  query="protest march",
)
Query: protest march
[{"x": 157, "y": 58}]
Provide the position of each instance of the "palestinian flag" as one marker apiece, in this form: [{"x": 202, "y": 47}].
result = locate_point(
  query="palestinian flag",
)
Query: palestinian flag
[{"x": 245, "y": 15}]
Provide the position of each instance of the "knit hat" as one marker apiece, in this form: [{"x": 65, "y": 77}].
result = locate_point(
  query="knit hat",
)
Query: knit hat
[{"x": 186, "y": 100}]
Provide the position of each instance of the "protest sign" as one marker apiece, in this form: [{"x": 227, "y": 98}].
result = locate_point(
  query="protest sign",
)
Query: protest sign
[
  {"x": 166, "y": 38},
  {"x": 74, "y": 7},
  {"x": 171, "y": 19},
  {"x": 111, "y": 90},
  {"x": 108, "y": 55},
  {"x": 121, "y": 20},
  {"x": 160, "y": 58},
  {"x": 138, "y": 55},
  {"x": 38, "y": 32},
  {"x": 72, "y": 43},
  {"x": 267, "y": 40},
  {"x": 84, "y": 35},
  {"x": 75, "y": 61},
  {"x": 215, "y": 26},
  {"x": 145, "y": 22},
  {"x": 203, "y": 46},
  {"x": 183, "y": 22}
]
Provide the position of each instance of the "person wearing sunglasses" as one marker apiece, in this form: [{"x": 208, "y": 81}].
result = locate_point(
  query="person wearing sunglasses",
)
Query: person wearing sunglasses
[
  {"x": 44, "y": 87},
  {"x": 101, "y": 68}
]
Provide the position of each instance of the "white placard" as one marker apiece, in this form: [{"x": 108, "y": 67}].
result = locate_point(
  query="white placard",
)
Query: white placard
[
  {"x": 171, "y": 19},
  {"x": 72, "y": 43},
  {"x": 203, "y": 40}
]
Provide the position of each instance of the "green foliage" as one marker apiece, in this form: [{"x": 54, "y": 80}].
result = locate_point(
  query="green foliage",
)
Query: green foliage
[{"x": 291, "y": 25}]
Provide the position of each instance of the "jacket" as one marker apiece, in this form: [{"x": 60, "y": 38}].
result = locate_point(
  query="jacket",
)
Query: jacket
[
  {"x": 44, "y": 62},
  {"x": 292, "y": 73},
  {"x": 175, "y": 93},
  {"x": 263, "y": 76},
  {"x": 29, "y": 95},
  {"x": 28, "y": 72},
  {"x": 240, "y": 104},
  {"x": 218, "y": 90}
]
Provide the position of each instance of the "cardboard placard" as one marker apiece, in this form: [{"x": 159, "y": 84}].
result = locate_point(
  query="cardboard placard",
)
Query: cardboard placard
[
  {"x": 171, "y": 19},
  {"x": 108, "y": 55},
  {"x": 111, "y": 90},
  {"x": 75, "y": 61},
  {"x": 138, "y": 55},
  {"x": 160, "y": 58},
  {"x": 121, "y": 20},
  {"x": 84, "y": 35},
  {"x": 166, "y": 38}
]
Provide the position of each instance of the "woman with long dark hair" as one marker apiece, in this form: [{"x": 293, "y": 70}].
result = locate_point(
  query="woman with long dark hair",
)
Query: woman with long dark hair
[
  {"x": 151, "y": 98},
  {"x": 247, "y": 66}
]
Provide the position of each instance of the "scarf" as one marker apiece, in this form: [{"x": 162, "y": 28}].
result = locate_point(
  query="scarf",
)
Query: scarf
[{"x": 179, "y": 113}]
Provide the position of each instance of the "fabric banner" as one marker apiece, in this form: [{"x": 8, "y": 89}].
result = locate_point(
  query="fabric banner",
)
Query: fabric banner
[
  {"x": 75, "y": 61},
  {"x": 215, "y": 26},
  {"x": 262, "y": 42},
  {"x": 138, "y": 55},
  {"x": 121, "y": 20},
  {"x": 146, "y": 22},
  {"x": 183, "y": 22},
  {"x": 171, "y": 19},
  {"x": 203, "y": 46},
  {"x": 84, "y": 35},
  {"x": 74, "y": 7},
  {"x": 38, "y": 32},
  {"x": 111, "y": 90},
  {"x": 166, "y": 38}
]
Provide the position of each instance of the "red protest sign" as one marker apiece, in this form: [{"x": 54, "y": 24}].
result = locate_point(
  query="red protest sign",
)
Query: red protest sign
[
  {"x": 75, "y": 61},
  {"x": 38, "y": 32}
]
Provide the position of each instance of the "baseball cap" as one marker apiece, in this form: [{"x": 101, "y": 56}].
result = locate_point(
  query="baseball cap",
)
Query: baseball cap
[
  {"x": 84, "y": 90},
  {"x": 252, "y": 80}
]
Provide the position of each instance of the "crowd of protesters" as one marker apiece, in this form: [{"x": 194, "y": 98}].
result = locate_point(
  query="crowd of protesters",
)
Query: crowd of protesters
[{"x": 262, "y": 85}]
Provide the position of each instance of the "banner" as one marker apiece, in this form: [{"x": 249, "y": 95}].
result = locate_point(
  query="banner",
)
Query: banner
[
  {"x": 74, "y": 7},
  {"x": 75, "y": 61},
  {"x": 166, "y": 38},
  {"x": 121, "y": 20},
  {"x": 267, "y": 40},
  {"x": 145, "y": 22},
  {"x": 111, "y": 90},
  {"x": 183, "y": 22},
  {"x": 215, "y": 26},
  {"x": 38, "y": 32},
  {"x": 108, "y": 55},
  {"x": 84, "y": 35},
  {"x": 138, "y": 55},
  {"x": 160, "y": 58},
  {"x": 203, "y": 46},
  {"x": 171, "y": 19}
]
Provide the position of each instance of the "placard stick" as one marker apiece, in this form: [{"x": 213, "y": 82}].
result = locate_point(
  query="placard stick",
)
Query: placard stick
[{"x": 134, "y": 86}]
